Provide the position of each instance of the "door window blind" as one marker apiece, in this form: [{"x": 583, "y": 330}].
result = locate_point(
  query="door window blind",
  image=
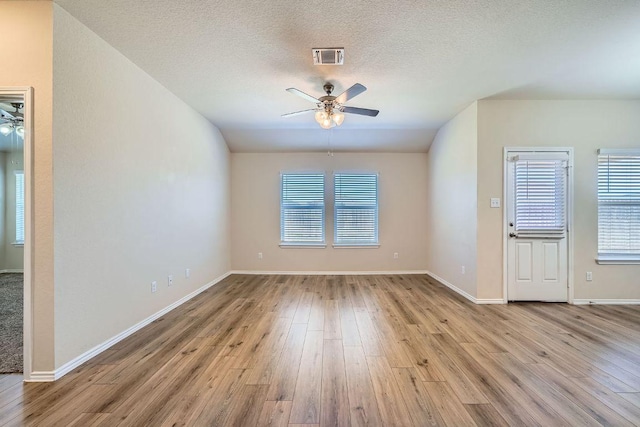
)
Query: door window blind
[
  {"x": 356, "y": 209},
  {"x": 302, "y": 208},
  {"x": 540, "y": 196},
  {"x": 19, "y": 207},
  {"x": 619, "y": 203}
]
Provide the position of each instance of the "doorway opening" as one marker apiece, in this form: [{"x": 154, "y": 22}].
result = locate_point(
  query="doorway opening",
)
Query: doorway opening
[{"x": 15, "y": 231}]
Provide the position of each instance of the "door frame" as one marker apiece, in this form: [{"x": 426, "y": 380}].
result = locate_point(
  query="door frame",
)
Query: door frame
[
  {"x": 27, "y": 330},
  {"x": 505, "y": 228}
]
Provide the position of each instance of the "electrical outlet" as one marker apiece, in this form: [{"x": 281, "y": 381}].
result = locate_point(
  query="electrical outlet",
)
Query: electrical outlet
[
  {"x": 495, "y": 202},
  {"x": 170, "y": 280},
  {"x": 154, "y": 286},
  {"x": 187, "y": 273},
  {"x": 395, "y": 255},
  {"x": 463, "y": 270},
  {"x": 259, "y": 255},
  {"x": 589, "y": 276}
]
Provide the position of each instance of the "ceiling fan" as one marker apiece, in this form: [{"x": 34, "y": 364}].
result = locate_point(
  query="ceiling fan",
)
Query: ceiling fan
[
  {"x": 11, "y": 121},
  {"x": 329, "y": 109}
]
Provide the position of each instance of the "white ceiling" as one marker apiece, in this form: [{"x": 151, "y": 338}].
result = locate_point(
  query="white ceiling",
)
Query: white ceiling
[{"x": 422, "y": 61}]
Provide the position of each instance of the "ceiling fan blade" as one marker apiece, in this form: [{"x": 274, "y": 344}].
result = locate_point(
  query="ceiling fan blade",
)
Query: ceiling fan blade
[
  {"x": 5, "y": 114},
  {"x": 360, "y": 111},
  {"x": 352, "y": 92},
  {"x": 301, "y": 94},
  {"x": 298, "y": 112},
  {"x": 4, "y": 111}
]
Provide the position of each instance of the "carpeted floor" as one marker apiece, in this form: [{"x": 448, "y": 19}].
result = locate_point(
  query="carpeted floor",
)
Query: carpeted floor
[{"x": 11, "y": 300}]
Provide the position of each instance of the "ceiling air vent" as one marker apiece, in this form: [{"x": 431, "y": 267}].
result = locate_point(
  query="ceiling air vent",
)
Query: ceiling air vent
[{"x": 328, "y": 56}]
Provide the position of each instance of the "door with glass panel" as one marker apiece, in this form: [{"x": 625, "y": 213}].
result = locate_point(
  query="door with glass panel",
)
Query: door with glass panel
[{"x": 537, "y": 250}]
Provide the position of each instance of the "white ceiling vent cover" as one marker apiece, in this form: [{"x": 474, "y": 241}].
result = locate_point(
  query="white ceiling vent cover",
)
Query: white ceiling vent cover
[{"x": 328, "y": 55}]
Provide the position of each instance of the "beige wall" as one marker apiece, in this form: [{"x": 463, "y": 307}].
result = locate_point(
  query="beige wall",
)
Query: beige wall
[
  {"x": 27, "y": 35},
  {"x": 452, "y": 195},
  {"x": 255, "y": 183},
  {"x": 584, "y": 125},
  {"x": 141, "y": 191},
  {"x": 13, "y": 256}
]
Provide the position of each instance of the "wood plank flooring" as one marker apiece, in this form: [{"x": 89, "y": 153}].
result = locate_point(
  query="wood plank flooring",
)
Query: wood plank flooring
[{"x": 351, "y": 350}]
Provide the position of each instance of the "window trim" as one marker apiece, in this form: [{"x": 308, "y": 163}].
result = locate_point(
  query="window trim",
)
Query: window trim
[{"x": 615, "y": 258}]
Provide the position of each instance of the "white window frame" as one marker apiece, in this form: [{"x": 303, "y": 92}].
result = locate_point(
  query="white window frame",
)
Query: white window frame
[
  {"x": 303, "y": 244},
  {"x": 19, "y": 207},
  {"x": 612, "y": 257},
  {"x": 358, "y": 245}
]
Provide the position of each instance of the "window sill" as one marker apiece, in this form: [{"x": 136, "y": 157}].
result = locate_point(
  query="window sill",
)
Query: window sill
[
  {"x": 303, "y": 245},
  {"x": 18, "y": 244},
  {"x": 353, "y": 246},
  {"x": 618, "y": 260}
]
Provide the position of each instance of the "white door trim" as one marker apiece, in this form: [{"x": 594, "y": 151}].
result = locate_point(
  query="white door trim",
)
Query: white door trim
[
  {"x": 505, "y": 230},
  {"x": 27, "y": 95}
]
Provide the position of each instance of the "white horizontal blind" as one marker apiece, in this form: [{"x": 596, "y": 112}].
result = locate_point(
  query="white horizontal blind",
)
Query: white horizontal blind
[
  {"x": 540, "y": 196},
  {"x": 356, "y": 209},
  {"x": 302, "y": 208},
  {"x": 619, "y": 204},
  {"x": 19, "y": 207}
]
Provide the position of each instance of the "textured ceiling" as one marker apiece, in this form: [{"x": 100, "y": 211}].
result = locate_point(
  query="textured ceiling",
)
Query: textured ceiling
[{"x": 422, "y": 61}]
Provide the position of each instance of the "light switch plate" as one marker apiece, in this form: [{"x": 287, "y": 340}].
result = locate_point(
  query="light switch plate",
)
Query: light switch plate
[{"x": 495, "y": 202}]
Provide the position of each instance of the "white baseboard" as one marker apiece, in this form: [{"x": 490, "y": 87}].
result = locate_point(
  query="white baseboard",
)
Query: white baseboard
[
  {"x": 43, "y": 376},
  {"x": 464, "y": 293},
  {"x": 606, "y": 301},
  {"x": 328, "y": 273},
  {"x": 10, "y": 270},
  {"x": 490, "y": 301}
]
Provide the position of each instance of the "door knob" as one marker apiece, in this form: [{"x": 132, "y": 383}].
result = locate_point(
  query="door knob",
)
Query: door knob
[{"x": 513, "y": 235}]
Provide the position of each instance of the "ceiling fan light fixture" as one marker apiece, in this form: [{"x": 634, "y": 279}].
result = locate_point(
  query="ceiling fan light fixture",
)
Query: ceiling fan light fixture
[
  {"x": 320, "y": 116},
  {"x": 327, "y": 123},
  {"x": 6, "y": 128},
  {"x": 20, "y": 131},
  {"x": 337, "y": 117}
]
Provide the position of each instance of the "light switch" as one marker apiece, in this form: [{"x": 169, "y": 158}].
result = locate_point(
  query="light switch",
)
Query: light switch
[{"x": 495, "y": 202}]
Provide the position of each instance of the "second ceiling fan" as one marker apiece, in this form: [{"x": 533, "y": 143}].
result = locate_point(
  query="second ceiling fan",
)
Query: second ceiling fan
[{"x": 329, "y": 109}]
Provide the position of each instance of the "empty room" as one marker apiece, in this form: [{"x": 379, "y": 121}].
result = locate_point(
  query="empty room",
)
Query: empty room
[{"x": 250, "y": 213}]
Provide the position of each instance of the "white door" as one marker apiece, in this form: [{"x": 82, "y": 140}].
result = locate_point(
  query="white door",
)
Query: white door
[{"x": 537, "y": 184}]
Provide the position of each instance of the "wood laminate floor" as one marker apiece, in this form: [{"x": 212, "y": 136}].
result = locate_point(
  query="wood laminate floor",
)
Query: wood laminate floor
[{"x": 351, "y": 350}]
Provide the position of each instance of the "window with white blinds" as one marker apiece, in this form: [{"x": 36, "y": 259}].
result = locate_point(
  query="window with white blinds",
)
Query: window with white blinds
[
  {"x": 19, "y": 207},
  {"x": 302, "y": 208},
  {"x": 619, "y": 204},
  {"x": 540, "y": 196},
  {"x": 356, "y": 209}
]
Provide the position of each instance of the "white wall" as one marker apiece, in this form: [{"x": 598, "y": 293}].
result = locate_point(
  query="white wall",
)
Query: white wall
[
  {"x": 26, "y": 29},
  {"x": 452, "y": 201},
  {"x": 584, "y": 125},
  {"x": 402, "y": 185},
  {"x": 141, "y": 190}
]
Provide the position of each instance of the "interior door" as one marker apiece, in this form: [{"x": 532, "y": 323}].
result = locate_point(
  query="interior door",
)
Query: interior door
[{"x": 537, "y": 249}]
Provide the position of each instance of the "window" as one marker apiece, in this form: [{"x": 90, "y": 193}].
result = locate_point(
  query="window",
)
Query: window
[
  {"x": 540, "y": 195},
  {"x": 302, "y": 209},
  {"x": 356, "y": 209},
  {"x": 19, "y": 208},
  {"x": 619, "y": 206}
]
